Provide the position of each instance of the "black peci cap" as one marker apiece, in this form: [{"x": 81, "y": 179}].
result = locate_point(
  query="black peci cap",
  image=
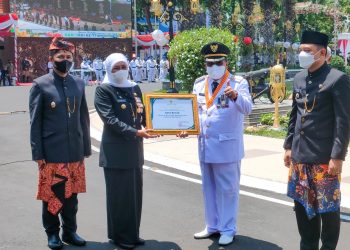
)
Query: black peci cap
[
  {"x": 314, "y": 37},
  {"x": 215, "y": 51}
]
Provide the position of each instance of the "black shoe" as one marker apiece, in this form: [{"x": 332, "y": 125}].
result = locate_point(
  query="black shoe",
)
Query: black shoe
[
  {"x": 74, "y": 239},
  {"x": 140, "y": 241},
  {"x": 54, "y": 241},
  {"x": 125, "y": 246}
]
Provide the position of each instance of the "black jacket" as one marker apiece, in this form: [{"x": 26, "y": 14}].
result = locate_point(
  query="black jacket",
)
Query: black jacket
[
  {"x": 117, "y": 108},
  {"x": 323, "y": 133},
  {"x": 59, "y": 118}
]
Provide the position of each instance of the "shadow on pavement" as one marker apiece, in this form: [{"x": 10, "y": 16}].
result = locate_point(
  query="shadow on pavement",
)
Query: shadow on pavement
[
  {"x": 246, "y": 243},
  {"x": 150, "y": 245},
  {"x": 345, "y": 214}
]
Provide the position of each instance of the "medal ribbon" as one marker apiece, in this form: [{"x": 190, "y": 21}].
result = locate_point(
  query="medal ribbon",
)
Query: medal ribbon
[{"x": 209, "y": 101}]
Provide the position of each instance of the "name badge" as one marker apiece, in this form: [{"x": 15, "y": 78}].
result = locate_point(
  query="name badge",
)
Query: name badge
[{"x": 223, "y": 102}]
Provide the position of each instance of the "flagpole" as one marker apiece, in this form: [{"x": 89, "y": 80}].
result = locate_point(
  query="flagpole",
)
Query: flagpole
[{"x": 135, "y": 27}]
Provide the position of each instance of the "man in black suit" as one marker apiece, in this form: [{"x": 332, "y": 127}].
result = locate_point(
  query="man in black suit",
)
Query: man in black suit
[
  {"x": 60, "y": 140},
  {"x": 317, "y": 142}
]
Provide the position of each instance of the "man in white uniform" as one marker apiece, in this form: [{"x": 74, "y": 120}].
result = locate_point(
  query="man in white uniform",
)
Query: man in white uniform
[
  {"x": 50, "y": 67},
  {"x": 133, "y": 69},
  {"x": 98, "y": 68},
  {"x": 85, "y": 71},
  {"x": 139, "y": 65},
  {"x": 151, "y": 69},
  {"x": 144, "y": 70},
  {"x": 163, "y": 68},
  {"x": 223, "y": 100}
]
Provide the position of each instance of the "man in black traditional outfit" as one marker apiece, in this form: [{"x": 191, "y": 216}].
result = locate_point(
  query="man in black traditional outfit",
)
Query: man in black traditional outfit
[
  {"x": 317, "y": 143},
  {"x": 60, "y": 140}
]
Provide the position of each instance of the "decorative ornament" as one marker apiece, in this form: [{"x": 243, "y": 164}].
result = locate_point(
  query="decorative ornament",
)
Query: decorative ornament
[
  {"x": 234, "y": 18},
  {"x": 289, "y": 25},
  {"x": 247, "y": 40},
  {"x": 156, "y": 7},
  {"x": 258, "y": 16},
  {"x": 235, "y": 39},
  {"x": 250, "y": 19},
  {"x": 53, "y": 105},
  {"x": 194, "y": 6},
  {"x": 297, "y": 27}
]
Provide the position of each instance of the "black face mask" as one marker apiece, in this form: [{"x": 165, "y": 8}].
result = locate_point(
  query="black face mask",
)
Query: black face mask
[{"x": 63, "y": 66}]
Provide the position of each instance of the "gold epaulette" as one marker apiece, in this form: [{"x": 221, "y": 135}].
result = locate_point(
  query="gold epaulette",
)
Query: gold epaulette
[{"x": 199, "y": 79}]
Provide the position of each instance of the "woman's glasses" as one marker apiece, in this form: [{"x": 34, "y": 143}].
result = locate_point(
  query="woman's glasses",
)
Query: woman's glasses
[{"x": 219, "y": 63}]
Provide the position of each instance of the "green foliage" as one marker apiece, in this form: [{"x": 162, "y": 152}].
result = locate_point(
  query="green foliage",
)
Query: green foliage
[
  {"x": 267, "y": 132},
  {"x": 186, "y": 47},
  {"x": 347, "y": 69},
  {"x": 337, "y": 62},
  {"x": 267, "y": 119}
]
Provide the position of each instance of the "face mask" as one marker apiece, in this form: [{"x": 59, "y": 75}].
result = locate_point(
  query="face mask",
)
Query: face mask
[
  {"x": 216, "y": 72},
  {"x": 307, "y": 59},
  {"x": 120, "y": 76},
  {"x": 63, "y": 66}
]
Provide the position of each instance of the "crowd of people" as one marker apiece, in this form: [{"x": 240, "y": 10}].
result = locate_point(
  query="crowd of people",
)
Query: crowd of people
[
  {"x": 315, "y": 146},
  {"x": 93, "y": 71}
]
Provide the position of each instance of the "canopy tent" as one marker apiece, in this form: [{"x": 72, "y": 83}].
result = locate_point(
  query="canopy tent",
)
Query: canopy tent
[
  {"x": 344, "y": 44},
  {"x": 6, "y": 22}
]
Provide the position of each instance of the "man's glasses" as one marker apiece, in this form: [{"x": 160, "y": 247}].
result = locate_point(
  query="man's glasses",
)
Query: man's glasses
[{"x": 210, "y": 64}]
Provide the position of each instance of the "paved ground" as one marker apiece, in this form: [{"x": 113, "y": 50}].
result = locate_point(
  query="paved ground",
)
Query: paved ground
[{"x": 172, "y": 208}]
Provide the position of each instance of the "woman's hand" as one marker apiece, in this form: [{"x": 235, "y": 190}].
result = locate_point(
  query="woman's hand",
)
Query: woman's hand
[
  {"x": 146, "y": 133},
  {"x": 183, "y": 134}
]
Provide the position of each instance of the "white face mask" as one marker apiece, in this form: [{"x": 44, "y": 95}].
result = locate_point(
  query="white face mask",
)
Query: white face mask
[
  {"x": 216, "y": 72},
  {"x": 307, "y": 59},
  {"x": 120, "y": 76}
]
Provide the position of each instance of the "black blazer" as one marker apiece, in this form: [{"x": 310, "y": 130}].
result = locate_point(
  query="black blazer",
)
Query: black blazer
[
  {"x": 59, "y": 119},
  {"x": 117, "y": 108},
  {"x": 317, "y": 136}
]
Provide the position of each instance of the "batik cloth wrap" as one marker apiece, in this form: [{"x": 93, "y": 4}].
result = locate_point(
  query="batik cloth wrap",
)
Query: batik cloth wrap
[{"x": 314, "y": 188}]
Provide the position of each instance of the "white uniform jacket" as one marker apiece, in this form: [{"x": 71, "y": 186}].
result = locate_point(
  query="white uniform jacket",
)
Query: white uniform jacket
[{"x": 221, "y": 136}]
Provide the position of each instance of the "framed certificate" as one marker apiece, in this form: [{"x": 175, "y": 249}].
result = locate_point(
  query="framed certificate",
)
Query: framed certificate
[{"x": 171, "y": 114}]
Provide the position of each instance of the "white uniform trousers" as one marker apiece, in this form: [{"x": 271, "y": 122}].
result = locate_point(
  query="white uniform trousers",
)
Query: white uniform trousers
[
  {"x": 220, "y": 185},
  {"x": 138, "y": 75},
  {"x": 99, "y": 75},
  {"x": 151, "y": 76},
  {"x": 133, "y": 73},
  {"x": 163, "y": 74}
]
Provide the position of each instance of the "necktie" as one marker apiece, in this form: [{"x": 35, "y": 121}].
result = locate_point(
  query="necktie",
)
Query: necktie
[{"x": 214, "y": 85}]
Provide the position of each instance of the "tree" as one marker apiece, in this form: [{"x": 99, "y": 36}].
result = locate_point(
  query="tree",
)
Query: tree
[
  {"x": 143, "y": 10},
  {"x": 186, "y": 47}
]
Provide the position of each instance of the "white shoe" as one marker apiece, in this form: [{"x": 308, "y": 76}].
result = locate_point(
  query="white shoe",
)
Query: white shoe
[
  {"x": 203, "y": 235},
  {"x": 225, "y": 240}
]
